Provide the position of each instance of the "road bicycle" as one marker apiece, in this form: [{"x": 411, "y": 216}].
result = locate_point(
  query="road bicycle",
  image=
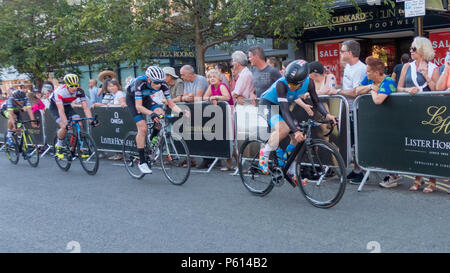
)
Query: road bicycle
[
  {"x": 78, "y": 144},
  {"x": 24, "y": 143},
  {"x": 167, "y": 151},
  {"x": 320, "y": 169}
]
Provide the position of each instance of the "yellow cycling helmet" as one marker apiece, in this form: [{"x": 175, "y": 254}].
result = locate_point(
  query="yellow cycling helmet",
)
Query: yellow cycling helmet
[{"x": 72, "y": 80}]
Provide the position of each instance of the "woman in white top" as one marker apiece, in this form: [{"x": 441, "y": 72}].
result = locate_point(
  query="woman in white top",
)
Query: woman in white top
[
  {"x": 421, "y": 75},
  {"x": 118, "y": 96}
]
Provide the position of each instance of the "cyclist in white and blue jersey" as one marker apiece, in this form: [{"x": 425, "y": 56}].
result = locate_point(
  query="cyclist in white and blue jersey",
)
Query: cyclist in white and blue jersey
[
  {"x": 140, "y": 102},
  {"x": 284, "y": 91}
]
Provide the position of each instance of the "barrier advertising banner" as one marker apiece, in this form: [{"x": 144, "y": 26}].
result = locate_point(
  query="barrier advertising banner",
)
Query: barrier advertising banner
[{"x": 406, "y": 133}]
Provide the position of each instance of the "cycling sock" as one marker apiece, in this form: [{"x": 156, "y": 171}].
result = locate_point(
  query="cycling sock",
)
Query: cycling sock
[
  {"x": 9, "y": 134},
  {"x": 141, "y": 156},
  {"x": 267, "y": 149},
  {"x": 59, "y": 142}
]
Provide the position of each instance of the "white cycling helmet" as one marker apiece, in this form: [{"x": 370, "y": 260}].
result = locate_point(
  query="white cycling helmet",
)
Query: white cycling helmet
[{"x": 154, "y": 73}]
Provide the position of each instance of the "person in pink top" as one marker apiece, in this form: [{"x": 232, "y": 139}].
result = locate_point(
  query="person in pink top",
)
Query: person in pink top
[
  {"x": 35, "y": 100},
  {"x": 219, "y": 91},
  {"x": 244, "y": 88}
]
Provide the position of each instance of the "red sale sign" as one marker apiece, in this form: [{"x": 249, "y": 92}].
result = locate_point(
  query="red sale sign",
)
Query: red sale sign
[
  {"x": 329, "y": 56},
  {"x": 441, "y": 43}
]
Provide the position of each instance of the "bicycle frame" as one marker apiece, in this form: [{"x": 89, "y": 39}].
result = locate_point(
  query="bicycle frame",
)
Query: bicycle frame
[{"x": 23, "y": 140}]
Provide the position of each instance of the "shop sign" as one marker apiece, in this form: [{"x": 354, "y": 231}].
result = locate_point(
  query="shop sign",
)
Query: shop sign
[
  {"x": 441, "y": 43},
  {"x": 328, "y": 55}
]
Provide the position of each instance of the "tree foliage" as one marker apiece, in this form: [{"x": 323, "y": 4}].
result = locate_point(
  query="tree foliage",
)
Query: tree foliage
[{"x": 39, "y": 36}]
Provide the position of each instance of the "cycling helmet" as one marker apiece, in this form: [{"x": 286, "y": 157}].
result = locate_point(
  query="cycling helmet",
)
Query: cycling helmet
[
  {"x": 19, "y": 95},
  {"x": 297, "y": 71},
  {"x": 71, "y": 80},
  {"x": 155, "y": 74}
]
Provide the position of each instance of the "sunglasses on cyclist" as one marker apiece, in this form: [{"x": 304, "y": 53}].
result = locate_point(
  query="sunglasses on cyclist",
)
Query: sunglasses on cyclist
[
  {"x": 73, "y": 86},
  {"x": 157, "y": 82}
]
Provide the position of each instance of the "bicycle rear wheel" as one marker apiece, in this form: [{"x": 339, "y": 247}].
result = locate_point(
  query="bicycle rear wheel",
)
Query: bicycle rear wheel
[
  {"x": 173, "y": 153},
  {"x": 254, "y": 180},
  {"x": 65, "y": 161},
  {"x": 88, "y": 154},
  {"x": 321, "y": 173},
  {"x": 12, "y": 152},
  {"x": 31, "y": 150},
  {"x": 131, "y": 156}
]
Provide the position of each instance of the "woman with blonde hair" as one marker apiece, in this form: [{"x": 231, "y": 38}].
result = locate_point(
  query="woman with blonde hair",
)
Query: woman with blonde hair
[
  {"x": 421, "y": 75},
  {"x": 219, "y": 91}
]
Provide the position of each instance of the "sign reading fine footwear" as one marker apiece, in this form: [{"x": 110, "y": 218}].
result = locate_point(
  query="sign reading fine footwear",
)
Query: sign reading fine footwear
[{"x": 409, "y": 134}]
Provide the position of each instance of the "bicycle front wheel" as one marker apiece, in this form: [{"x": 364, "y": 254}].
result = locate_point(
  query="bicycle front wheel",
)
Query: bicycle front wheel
[
  {"x": 253, "y": 178},
  {"x": 31, "y": 150},
  {"x": 321, "y": 172},
  {"x": 173, "y": 154},
  {"x": 88, "y": 154},
  {"x": 131, "y": 156},
  {"x": 12, "y": 152}
]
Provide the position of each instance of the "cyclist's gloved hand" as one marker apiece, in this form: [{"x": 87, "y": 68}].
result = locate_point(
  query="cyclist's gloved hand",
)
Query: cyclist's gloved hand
[
  {"x": 94, "y": 123},
  {"x": 154, "y": 117}
]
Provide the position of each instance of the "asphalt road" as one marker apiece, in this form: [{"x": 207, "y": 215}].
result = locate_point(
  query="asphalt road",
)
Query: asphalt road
[{"x": 44, "y": 209}]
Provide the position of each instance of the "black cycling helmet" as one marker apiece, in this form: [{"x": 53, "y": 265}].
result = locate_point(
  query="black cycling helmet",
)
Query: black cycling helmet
[
  {"x": 19, "y": 95},
  {"x": 297, "y": 71}
]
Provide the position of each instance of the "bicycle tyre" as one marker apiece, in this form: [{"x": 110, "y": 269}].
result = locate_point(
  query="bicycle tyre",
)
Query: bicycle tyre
[
  {"x": 12, "y": 152},
  {"x": 64, "y": 163},
  {"x": 131, "y": 156},
  {"x": 33, "y": 154},
  {"x": 172, "y": 158},
  {"x": 248, "y": 172},
  {"x": 91, "y": 154},
  {"x": 335, "y": 179}
]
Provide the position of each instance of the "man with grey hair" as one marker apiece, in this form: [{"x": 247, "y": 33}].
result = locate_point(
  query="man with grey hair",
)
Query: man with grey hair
[
  {"x": 244, "y": 88},
  {"x": 354, "y": 73},
  {"x": 264, "y": 75},
  {"x": 195, "y": 85}
]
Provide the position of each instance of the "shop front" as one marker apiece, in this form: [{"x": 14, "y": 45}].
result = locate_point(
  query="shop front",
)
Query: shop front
[{"x": 382, "y": 30}]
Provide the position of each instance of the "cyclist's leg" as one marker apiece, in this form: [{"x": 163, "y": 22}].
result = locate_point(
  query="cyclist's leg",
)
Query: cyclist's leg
[
  {"x": 11, "y": 127},
  {"x": 281, "y": 130},
  {"x": 61, "y": 133},
  {"x": 157, "y": 127}
]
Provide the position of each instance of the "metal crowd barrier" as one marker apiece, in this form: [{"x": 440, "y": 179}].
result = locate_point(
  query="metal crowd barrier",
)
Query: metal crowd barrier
[
  {"x": 342, "y": 141},
  {"x": 414, "y": 110}
]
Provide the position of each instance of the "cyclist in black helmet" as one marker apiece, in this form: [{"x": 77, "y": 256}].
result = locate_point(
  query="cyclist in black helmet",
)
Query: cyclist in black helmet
[
  {"x": 284, "y": 91},
  {"x": 11, "y": 110}
]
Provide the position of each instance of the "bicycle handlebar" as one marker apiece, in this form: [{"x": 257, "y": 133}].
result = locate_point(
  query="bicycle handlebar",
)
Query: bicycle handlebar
[{"x": 314, "y": 123}]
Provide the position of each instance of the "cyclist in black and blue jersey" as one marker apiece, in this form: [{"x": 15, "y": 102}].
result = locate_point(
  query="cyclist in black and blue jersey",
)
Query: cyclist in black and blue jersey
[
  {"x": 290, "y": 88},
  {"x": 11, "y": 110},
  {"x": 140, "y": 103}
]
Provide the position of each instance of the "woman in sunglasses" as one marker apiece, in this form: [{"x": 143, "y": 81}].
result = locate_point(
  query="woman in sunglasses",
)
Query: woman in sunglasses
[
  {"x": 290, "y": 88},
  {"x": 421, "y": 75},
  {"x": 140, "y": 103},
  {"x": 11, "y": 110}
]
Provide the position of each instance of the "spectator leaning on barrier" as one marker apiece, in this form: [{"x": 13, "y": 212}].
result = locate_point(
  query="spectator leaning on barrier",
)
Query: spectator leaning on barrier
[
  {"x": 118, "y": 96},
  {"x": 264, "y": 75},
  {"x": 221, "y": 67},
  {"x": 244, "y": 88},
  {"x": 47, "y": 90},
  {"x": 194, "y": 85},
  {"x": 176, "y": 85},
  {"x": 218, "y": 91},
  {"x": 444, "y": 80},
  {"x": 421, "y": 75},
  {"x": 95, "y": 93},
  {"x": 354, "y": 73},
  {"x": 379, "y": 86},
  {"x": 398, "y": 68},
  {"x": 35, "y": 100}
]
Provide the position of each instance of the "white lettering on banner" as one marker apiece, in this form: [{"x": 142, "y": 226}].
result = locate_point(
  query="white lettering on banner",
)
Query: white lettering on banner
[
  {"x": 422, "y": 143},
  {"x": 116, "y": 119},
  {"x": 329, "y": 53}
]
